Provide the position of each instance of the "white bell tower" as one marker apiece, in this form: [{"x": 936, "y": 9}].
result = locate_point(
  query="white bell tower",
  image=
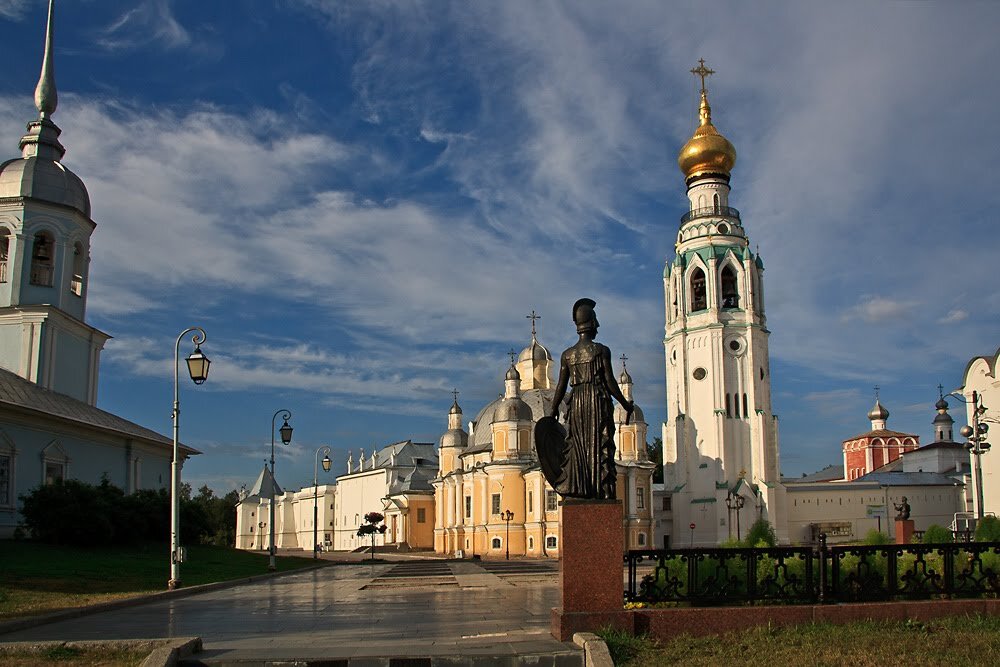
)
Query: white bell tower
[
  {"x": 720, "y": 439},
  {"x": 45, "y": 230}
]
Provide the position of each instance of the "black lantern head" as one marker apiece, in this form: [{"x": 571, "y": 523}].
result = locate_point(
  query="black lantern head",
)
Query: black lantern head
[
  {"x": 326, "y": 464},
  {"x": 286, "y": 432},
  {"x": 198, "y": 365}
]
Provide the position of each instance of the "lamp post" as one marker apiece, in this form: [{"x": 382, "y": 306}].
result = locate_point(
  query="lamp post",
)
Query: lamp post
[
  {"x": 326, "y": 468},
  {"x": 197, "y": 364},
  {"x": 507, "y": 516},
  {"x": 286, "y": 437},
  {"x": 735, "y": 501},
  {"x": 976, "y": 436}
]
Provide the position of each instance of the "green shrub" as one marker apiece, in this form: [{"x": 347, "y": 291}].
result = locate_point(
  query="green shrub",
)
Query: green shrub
[
  {"x": 760, "y": 531},
  {"x": 876, "y": 538},
  {"x": 936, "y": 534},
  {"x": 74, "y": 512},
  {"x": 988, "y": 529}
]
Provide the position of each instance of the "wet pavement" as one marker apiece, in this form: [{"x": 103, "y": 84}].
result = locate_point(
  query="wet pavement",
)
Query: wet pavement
[{"x": 415, "y": 608}]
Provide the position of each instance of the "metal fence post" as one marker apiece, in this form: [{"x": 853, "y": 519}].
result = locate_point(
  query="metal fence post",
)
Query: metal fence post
[{"x": 822, "y": 568}]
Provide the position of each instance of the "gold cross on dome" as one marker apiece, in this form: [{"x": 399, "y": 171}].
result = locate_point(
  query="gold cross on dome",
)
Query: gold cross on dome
[
  {"x": 533, "y": 317},
  {"x": 454, "y": 392},
  {"x": 513, "y": 356},
  {"x": 624, "y": 359},
  {"x": 702, "y": 72}
]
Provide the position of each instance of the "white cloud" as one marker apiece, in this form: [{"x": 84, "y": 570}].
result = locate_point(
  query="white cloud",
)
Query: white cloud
[
  {"x": 879, "y": 309},
  {"x": 149, "y": 21},
  {"x": 955, "y": 315},
  {"x": 14, "y": 9}
]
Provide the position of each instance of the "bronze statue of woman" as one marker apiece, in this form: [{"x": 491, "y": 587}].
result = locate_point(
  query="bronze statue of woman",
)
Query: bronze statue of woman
[{"x": 579, "y": 462}]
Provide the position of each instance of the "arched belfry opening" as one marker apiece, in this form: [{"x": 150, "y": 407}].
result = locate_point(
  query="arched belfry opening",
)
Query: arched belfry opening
[
  {"x": 699, "y": 297},
  {"x": 729, "y": 288},
  {"x": 42, "y": 250},
  {"x": 4, "y": 252},
  {"x": 79, "y": 266}
]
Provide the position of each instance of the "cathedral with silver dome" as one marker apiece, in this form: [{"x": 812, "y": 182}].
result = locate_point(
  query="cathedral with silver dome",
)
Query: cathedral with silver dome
[{"x": 490, "y": 497}]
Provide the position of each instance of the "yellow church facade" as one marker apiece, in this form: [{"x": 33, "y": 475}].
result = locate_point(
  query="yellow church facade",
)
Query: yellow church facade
[{"x": 490, "y": 497}]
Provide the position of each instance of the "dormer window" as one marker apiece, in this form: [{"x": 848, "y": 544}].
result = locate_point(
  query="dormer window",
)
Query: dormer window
[
  {"x": 41, "y": 260},
  {"x": 699, "y": 299},
  {"x": 730, "y": 292}
]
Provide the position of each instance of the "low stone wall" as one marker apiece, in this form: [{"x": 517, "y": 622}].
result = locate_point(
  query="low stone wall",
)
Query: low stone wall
[{"x": 664, "y": 624}]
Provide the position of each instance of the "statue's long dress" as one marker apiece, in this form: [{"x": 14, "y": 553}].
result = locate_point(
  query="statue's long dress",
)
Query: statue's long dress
[{"x": 589, "y": 468}]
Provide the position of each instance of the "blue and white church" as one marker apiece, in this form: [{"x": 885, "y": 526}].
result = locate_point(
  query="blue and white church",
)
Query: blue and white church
[{"x": 50, "y": 426}]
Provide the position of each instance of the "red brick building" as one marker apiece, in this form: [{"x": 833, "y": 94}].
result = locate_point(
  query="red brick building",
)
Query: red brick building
[{"x": 870, "y": 451}]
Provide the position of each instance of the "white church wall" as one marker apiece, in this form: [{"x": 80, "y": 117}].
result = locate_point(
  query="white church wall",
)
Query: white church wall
[
  {"x": 77, "y": 457},
  {"x": 857, "y": 506},
  {"x": 357, "y": 495},
  {"x": 981, "y": 376}
]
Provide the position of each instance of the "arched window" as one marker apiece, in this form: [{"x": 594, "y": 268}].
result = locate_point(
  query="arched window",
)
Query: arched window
[
  {"x": 531, "y": 543},
  {"x": 642, "y": 536},
  {"x": 728, "y": 413},
  {"x": 79, "y": 261},
  {"x": 495, "y": 543},
  {"x": 716, "y": 202},
  {"x": 41, "y": 260},
  {"x": 746, "y": 413},
  {"x": 730, "y": 292},
  {"x": 4, "y": 252},
  {"x": 699, "y": 298}
]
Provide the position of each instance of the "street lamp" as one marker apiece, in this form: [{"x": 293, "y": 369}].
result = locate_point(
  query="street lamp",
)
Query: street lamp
[
  {"x": 326, "y": 468},
  {"x": 197, "y": 364},
  {"x": 735, "y": 501},
  {"x": 976, "y": 436},
  {"x": 286, "y": 437},
  {"x": 507, "y": 516}
]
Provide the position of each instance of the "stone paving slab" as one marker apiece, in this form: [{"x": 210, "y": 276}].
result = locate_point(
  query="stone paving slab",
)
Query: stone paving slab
[{"x": 329, "y": 614}]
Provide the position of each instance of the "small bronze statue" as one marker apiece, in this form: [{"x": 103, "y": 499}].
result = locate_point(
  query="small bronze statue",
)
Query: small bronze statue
[
  {"x": 902, "y": 510},
  {"x": 579, "y": 460}
]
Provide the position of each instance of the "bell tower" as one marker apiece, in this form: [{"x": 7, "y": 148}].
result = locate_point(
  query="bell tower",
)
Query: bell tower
[
  {"x": 720, "y": 438},
  {"x": 45, "y": 230}
]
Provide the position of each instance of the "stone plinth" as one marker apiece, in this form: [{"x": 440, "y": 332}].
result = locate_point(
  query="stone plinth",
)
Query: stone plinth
[
  {"x": 590, "y": 562},
  {"x": 904, "y": 531}
]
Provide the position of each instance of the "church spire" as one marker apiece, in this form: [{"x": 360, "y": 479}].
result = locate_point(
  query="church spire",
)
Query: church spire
[
  {"x": 707, "y": 154},
  {"x": 42, "y": 138},
  {"x": 46, "y": 98}
]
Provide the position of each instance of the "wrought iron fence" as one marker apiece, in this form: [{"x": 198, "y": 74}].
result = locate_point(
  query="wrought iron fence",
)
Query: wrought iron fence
[{"x": 805, "y": 574}]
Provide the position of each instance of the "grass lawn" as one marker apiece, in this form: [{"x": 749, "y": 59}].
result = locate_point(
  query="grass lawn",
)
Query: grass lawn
[
  {"x": 965, "y": 640},
  {"x": 75, "y": 656},
  {"x": 37, "y": 578}
]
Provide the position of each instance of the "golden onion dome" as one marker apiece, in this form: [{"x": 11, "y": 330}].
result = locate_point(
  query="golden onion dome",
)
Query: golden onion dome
[{"x": 707, "y": 152}]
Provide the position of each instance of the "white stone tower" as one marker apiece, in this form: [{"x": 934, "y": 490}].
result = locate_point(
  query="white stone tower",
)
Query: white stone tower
[
  {"x": 720, "y": 439},
  {"x": 45, "y": 230}
]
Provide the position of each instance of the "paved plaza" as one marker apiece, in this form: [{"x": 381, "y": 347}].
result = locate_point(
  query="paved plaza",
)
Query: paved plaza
[{"x": 412, "y": 608}]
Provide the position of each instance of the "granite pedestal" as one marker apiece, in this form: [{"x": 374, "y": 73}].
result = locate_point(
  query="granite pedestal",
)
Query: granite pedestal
[
  {"x": 904, "y": 531},
  {"x": 591, "y": 589}
]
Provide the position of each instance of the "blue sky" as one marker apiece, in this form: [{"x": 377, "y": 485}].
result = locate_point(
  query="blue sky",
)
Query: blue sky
[{"x": 361, "y": 202}]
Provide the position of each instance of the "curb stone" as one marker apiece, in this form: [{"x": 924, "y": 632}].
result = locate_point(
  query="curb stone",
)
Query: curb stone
[
  {"x": 177, "y": 649},
  {"x": 595, "y": 651}
]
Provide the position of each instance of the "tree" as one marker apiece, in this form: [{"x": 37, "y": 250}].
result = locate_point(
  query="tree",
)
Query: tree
[
  {"x": 654, "y": 451},
  {"x": 371, "y": 527}
]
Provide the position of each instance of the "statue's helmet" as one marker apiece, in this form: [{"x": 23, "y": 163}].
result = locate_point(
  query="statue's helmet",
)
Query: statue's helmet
[{"x": 584, "y": 316}]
